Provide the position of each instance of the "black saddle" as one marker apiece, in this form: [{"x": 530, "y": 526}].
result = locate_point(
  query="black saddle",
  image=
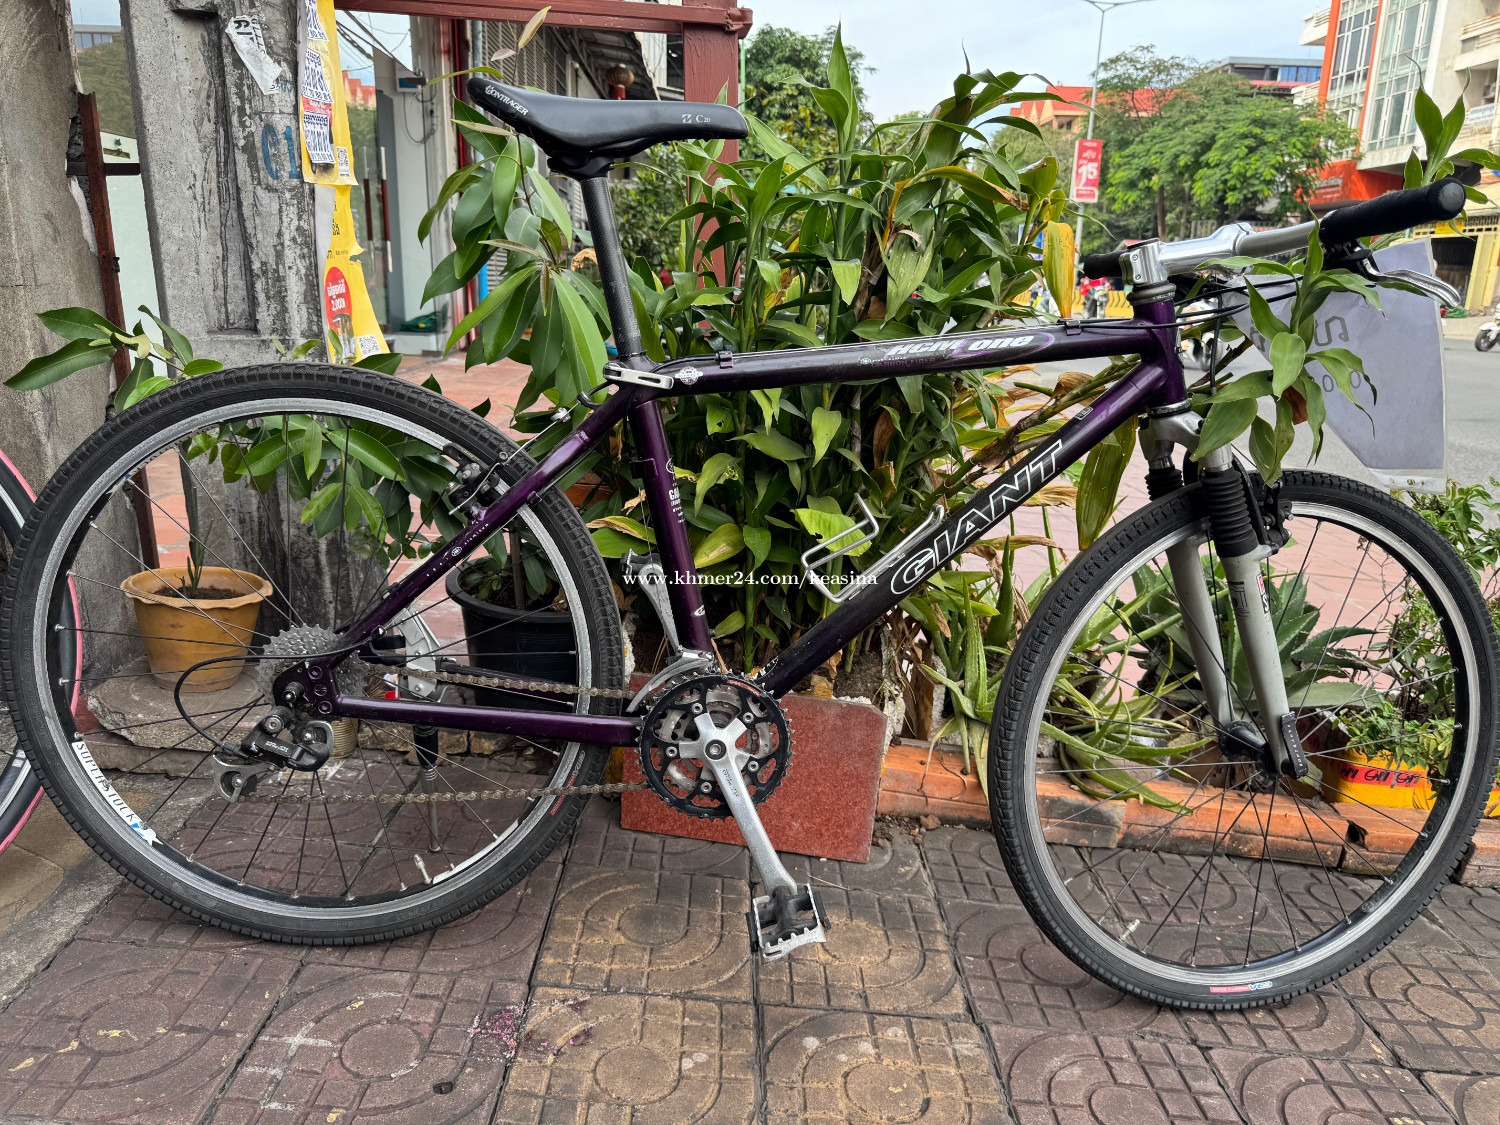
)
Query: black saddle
[{"x": 582, "y": 136}]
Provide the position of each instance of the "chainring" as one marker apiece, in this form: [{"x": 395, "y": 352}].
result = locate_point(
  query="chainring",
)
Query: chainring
[{"x": 672, "y": 734}]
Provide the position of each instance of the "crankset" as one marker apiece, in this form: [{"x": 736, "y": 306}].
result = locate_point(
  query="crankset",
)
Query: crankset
[{"x": 712, "y": 719}]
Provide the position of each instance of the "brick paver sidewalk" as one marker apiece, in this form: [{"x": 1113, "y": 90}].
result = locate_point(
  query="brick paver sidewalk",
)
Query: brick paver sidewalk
[{"x": 615, "y": 985}]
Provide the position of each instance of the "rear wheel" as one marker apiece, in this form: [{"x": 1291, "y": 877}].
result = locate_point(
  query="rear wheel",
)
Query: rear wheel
[
  {"x": 295, "y": 472},
  {"x": 1153, "y": 845}
]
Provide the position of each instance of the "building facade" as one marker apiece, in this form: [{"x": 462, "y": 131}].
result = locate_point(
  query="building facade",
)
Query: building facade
[{"x": 1376, "y": 54}]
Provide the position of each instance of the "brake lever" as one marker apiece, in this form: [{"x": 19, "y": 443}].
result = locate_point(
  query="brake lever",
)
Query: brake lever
[{"x": 1430, "y": 287}]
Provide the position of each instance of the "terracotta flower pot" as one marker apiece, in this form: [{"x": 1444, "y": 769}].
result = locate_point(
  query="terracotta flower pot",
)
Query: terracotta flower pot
[{"x": 179, "y": 633}]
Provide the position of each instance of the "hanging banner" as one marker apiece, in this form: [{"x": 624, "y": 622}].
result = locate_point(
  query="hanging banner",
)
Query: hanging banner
[
  {"x": 1398, "y": 434},
  {"x": 326, "y": 155},
  {"x": 350, "y": 326},
  {"x": 1088, "y": 159}
]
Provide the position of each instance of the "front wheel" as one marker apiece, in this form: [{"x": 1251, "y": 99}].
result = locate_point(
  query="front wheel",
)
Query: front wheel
[
  {"x": 1147, "y": 836},
  {"x": 1486, "y": 339},
  {"x": 314, "y": 489}
]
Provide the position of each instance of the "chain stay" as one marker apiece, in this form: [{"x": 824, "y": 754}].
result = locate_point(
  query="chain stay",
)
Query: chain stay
[{"x": 497, "y": 794}]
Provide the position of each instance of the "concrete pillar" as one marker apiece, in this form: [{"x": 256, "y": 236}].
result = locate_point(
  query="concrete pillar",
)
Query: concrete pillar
[
  {"x": 46, "y": 260},
  {"x": 231, "y": 218}
]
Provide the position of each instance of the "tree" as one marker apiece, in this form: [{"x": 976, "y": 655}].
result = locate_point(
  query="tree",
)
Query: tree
[
  {"x": 781, "y": 68},
  {"x": 1185, "y": 143},
  {"x": 103, "y": 71}
]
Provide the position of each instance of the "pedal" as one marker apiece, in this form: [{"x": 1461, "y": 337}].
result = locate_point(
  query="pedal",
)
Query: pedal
[{"x": 784, "y": 920}]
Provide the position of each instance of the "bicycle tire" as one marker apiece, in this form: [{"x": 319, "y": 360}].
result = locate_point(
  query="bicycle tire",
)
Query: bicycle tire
[
  {"x": 152, "y": 864},
  {"x": 1023, "y": 698}
]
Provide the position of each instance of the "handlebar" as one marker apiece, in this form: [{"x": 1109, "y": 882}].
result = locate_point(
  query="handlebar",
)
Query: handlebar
[{"x": 1436, "y": 202}]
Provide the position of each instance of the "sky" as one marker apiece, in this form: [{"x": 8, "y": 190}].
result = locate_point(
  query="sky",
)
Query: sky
[{"x": 917, "y": 48}]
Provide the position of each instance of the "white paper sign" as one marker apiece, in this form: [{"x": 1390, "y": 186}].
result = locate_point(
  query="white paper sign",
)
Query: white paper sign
[
  {"x": 250, "y": 41},
  {"x": 1401, "y": 438}
]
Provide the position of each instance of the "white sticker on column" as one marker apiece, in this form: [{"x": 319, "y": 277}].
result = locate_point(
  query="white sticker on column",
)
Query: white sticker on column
[{"x": 107, "y": 791}]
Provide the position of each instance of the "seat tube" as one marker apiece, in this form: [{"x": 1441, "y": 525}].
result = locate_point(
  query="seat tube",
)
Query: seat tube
[
  {"x": 655, "y": 470},
  {"x": 612, "y": 271}
]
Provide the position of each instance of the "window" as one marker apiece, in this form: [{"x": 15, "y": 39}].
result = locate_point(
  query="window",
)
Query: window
[
  {"x": 1351, "y": 60},
  {"x": 1404, "y": 43}
]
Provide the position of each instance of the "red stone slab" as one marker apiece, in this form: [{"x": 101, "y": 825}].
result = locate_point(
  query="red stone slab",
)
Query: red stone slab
[{"x": 826, "y": 805}]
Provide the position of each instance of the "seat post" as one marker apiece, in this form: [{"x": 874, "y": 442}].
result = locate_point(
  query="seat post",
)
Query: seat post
[{"x": 612, "y": 270}]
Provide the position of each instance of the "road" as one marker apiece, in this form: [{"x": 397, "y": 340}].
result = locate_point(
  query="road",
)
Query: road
[{"x": 1473, "y": 414}]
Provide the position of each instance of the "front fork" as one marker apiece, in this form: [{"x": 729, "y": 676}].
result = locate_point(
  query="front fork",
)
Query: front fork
[{"x": 1232, "y": 523}]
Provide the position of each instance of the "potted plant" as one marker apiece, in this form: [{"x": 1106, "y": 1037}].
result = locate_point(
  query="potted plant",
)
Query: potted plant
[
  {"x": 513, "y": 622},
  {"x": 195, "y": 613}
]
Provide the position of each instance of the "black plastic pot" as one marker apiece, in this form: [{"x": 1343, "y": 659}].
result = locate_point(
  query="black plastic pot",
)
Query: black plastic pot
[{"x": 527, "y": 643}]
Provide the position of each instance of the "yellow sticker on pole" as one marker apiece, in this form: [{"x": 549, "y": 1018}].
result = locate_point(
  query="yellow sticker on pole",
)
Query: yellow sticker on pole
[
  {"x": 351, "y": 328},
  {"x": 326, "y": 153}
]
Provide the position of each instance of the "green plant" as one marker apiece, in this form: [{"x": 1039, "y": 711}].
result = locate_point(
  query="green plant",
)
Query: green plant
[{"x": 1382, "y": 733}]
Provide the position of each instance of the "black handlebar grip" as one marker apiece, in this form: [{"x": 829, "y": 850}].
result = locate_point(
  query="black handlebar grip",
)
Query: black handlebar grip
[
  {"x": 1105, "y": 264},
  {"x": 1396, "y": 211}
]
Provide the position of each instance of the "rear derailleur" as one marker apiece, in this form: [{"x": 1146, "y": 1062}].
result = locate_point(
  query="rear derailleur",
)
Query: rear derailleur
[{"x": 281, "y": 740}]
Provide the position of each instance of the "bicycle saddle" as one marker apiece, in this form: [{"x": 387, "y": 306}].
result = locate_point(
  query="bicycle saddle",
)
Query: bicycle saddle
[{"x": 577, "y": 130}]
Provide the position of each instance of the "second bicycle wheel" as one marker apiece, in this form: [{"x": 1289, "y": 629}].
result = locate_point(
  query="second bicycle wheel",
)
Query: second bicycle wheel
[
  {"x": 1145, "y": 835},
  {"x": 287, "y": 501}
]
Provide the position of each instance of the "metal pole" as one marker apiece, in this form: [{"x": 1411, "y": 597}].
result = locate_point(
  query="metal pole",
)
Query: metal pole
[{"x": 1103, "y": 7}]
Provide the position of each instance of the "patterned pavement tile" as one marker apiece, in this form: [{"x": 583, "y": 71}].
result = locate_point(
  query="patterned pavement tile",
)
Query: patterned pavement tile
[
  {"x": 894, "y": 869},
  {"x": 373, "y": 1047},
  {"x": 966, "y": 866},
  {"x": 1325, "y": 1092},
  {"x": 1079, "y": 1079},
  {"x": 498, "y": 941},
  {"x": 849, "y": 1066},
  {"x": 1017, "y": 977},
  {"x": 883, "y": 954},
  {"x": 1437, "y": 1010},
  {"x": 1471, "y": 915},
  {"x": 648, "y": 931},
  {"x": 1320, "y": 1024},
  {"x": 617, "y": 1057},
  {"x": 1471, "y": 1099},
  {"x": 125, "y": 1034},
  {"x": 600, "y": 842}
]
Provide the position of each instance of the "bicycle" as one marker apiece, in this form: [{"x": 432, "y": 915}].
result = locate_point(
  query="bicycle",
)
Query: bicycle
[{"x": 1153, "y": 668}]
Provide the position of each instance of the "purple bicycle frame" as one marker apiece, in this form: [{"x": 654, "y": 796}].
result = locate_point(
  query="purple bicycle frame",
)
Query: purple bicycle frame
[{"x": 1157, "y": 381}]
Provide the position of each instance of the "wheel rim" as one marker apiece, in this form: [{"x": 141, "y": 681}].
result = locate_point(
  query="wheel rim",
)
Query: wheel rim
[
  {"x": 379, "y": 875},
  {"x": 1216, "y": 883}
]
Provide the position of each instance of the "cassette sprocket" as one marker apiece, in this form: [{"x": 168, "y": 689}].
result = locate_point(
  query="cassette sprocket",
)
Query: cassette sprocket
[{"x": 690, "y": 716}]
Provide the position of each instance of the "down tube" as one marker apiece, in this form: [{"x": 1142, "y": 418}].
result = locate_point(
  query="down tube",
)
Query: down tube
[{"x": 961, "y": 530}]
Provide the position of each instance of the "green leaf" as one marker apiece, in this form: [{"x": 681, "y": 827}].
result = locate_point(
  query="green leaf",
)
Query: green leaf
[
  {"x": 731, "y": 624},
  {"x": 846, "y": 277},
  {"x": 181, "y": 349},
  {"x": 774, "y": 444},
  {"x": 266, "y": 455},
  {"x": 829, "y": 525},
  {"x": 1100, "y": 482},
  {"x": 312, "y": 447},
  {"x": 825, "y": 425},
  {"x": 491, "y": 305},
  {"x": 718, "y": 415},
  {"x": 367, "y": 450},
  {"x": 758, "y": 540},
  {"x": 143, "y": 390},
  {"x": 1288, "y": 353},
  {"x": 45, "y": 370},
  {"x": 78, "y": 324},
  {"x": 549, "y": 205},
  {"x": 1225, "y": 422},
  {"x": 320, "y": 500},
  {"x": 201, "y": 367},
  {"x": 715, "y": 469},
  {"x": 1257, "y": 384},
  {"x": 585, "y": 347},
  {"x": 387, "y": 363},
  {"x": 723, "y": 542},
  {"x": 1267, "y": 323}
]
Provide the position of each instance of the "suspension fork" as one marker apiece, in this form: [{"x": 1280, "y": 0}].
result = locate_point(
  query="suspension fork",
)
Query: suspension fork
[
  {"x": 1161, "y": 431},
  {"x": 1240, "y": 550}
]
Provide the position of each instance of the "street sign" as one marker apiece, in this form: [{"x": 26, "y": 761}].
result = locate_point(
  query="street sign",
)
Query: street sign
[{"x": 1087, "y": 158}]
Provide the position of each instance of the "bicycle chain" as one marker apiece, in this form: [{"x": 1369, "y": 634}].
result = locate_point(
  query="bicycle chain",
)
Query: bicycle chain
[{"x": 496, "y": 794}]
